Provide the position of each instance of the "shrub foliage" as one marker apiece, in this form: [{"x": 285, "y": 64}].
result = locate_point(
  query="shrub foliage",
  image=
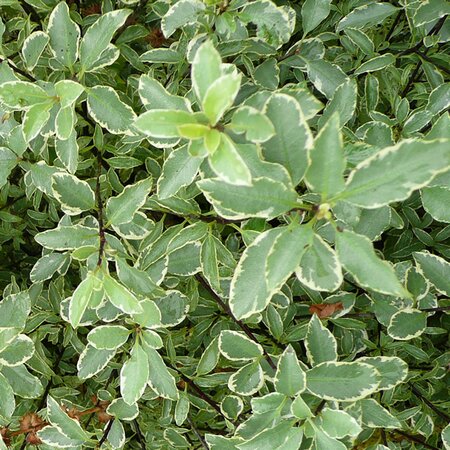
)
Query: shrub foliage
[{"x": 224, "y": 224}]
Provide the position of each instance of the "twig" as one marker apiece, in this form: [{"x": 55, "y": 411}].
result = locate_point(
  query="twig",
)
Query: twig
[
  {"x": 416, "y": 439},
  {"x": 31, "y": 11},
  {"x": 430, "y": 60},
  {"x": 19, "y": 71},
  {"x": 440, "y": 413},
  {"x": 197, "y": 433},
  {"x": 228, "y": 311},
  {"x": 439, "y": 308},
  {"x": 394, "y": 24},
  {"x": 101, "y": 228},
  {"x": 105, "y": 433},
  {"x": 139, "y": 434}
]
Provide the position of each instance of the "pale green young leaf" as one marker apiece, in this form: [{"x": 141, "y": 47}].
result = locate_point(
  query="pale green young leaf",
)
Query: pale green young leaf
[
  {"x": 289, "y": 146},
  {"x": 343, "y": 103},
  {"x": 435, "y": 201},
  {"x": 64, "y": 35},
  {"x": 108, "y": 337},
  {"x": 247, "y": 380},
  {"x": 338, "y": 424},
  {"x": 121, "y": 208},
  {"x": 367, "y": 15},
  {"x": 33, "y": 47},
  {"x": 313, "y": 13},
  {"x": 163, "y": 123},
  {"x": 68, "y": 92},
  {"x": 325, "y": 174},
  {"x": 182, "y": 13},
  {"x": 155, "y": 96},
  {"x": 228, "y": 165},
  {"x": 65, "y": 424},
  {"x": 120, "y": 296},
  {"x": 134, "y": 375},
  {"x": 160, "y": 379},
  {"x": 206, "y": 69},
  {"x": 319, "y": 268},
  {"x": 8, "y": 161},
  {"x": 342, "y": 381},
  {"x": 248, "y": 293},
  {"x": 106, "y": 108},
  {"x": 321, "y": 346},
  {"x": 81, "y": 299},
  {"x": 193, "y": 131},
  {"x": 357, "y": 255},
  {"x": 98, "y": 37},
  {"x": 395, "y": 172},
  {"x": 235, "y": 346},
  {"x": 265, "y": 198},
  {"x": 34, "y": 120},
  {"x": 75, "y": 195},
  {"x": 220, "y": 95},
  {"x": 435, "y": 269},
  {"x": 289, "y": 377},
  {"x": 289, "y": 247},
  {"x": 256, "y": 126},
  {"x": 407, "y": 324},
  {"x": 65, "y": 122}
]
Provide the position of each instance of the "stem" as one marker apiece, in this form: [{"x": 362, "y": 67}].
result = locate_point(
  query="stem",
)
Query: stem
[
  {"x": 440, "y": 413},
  {"x": 139, "y": 434},
  {"x": 197, "y": 433},
  {"x": 101, "y": 228},
  {"x": 31, "y": 11},
  {"x": 415, "y": 439},
  {"x": 240, "y": 324},
  {"x": 105, "y": 433}
]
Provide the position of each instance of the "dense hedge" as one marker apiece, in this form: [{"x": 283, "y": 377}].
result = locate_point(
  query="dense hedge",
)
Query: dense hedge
[{"x": 224, "y": 224}]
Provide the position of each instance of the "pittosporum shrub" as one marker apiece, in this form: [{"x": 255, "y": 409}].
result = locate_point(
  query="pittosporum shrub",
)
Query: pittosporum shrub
[{"x": 224, "y": 224}]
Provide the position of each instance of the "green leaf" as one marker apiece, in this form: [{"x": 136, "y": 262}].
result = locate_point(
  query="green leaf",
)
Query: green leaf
[
  {"x": 338, "y": 424},
  {"x": 342, "y": 103},
  {"x": 361, "y": 39},
  {"x": 321, "y": 346},
  {"x": 46, "y": 266},
  {"x": 106, "y": 108},
  {"x": 430, "y": 11},
  {"x": 247, "y": 380},
  {"x": 313, "y": 13},
  {"x": 181, "y": 409},
  {"x": 75, "y": 195},
  {"x": 209, "y": 262},
  {"x": 248, "y": 293},
  {"x": 80, "y": 299},
  {"x": 160, "y": 379},
  {"x": 300, "y": 409},
  {"x": 209, "y": 359},
  {"x": 407, "y": 324},
  {"x": 394, "y": 173},
  {"x": 64, "y": 123},
  {"x": 67, "y": 237},
  {"x": 134, "y": 375},
  {"x": 121, "y": 410},
  {"x": 162, "y": 123},
  {"x": 319, "y": 268},
  {"x": 32, "y": 48},
  {"x": 8, "y": 404},
  {"x": 434, "y": 200},
  {"x": 342, "y": 381},
  {"x": 116, "y": 435},
  {"x": 446, "y": 437},
  {"x": 18, "y": 351},
  {"x": 256, "y": 126},
  {"x": 289, "y": 378},
  {"x": 123, "y": 207},
  {"x": 375, "y": 416},
  {"x": 22, "y": 382},
  {"x": 92, "y": 361},
  {"x": 393, "y": 370},
  {"x": 108, "y": 337},
  {"x": 67, "y": 152},
  {"x": 121, "y": 297},
  {"x": 182, "y": 13},
  {"x": 325, "y": 76},
  {"x": 274, "y": 438},
  {"x": 64, "y": 35},
  {"x": 98, "y": 37},
  {"x": 325, "y": 173},
  {"x": 357, "y": 255},
  {"x": 289, "y": 247},
  {"x": 54, "y": 438},
  {"x": 292, "y": 139},
  {"x": 367, "y": 15},
  {"x": 237, "y": 347},
  {"x": 435, "y": 269},
  {"x": 228, "y": 165},
  {"x": 8, "y": 161},
  {"x": 22, "y": 94},
  {"x": 65, "y": 424},
  {"x": 220, "y": 95},
  {"x": 376, "y": 63},
  {"x": 264, "y": 198}
]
